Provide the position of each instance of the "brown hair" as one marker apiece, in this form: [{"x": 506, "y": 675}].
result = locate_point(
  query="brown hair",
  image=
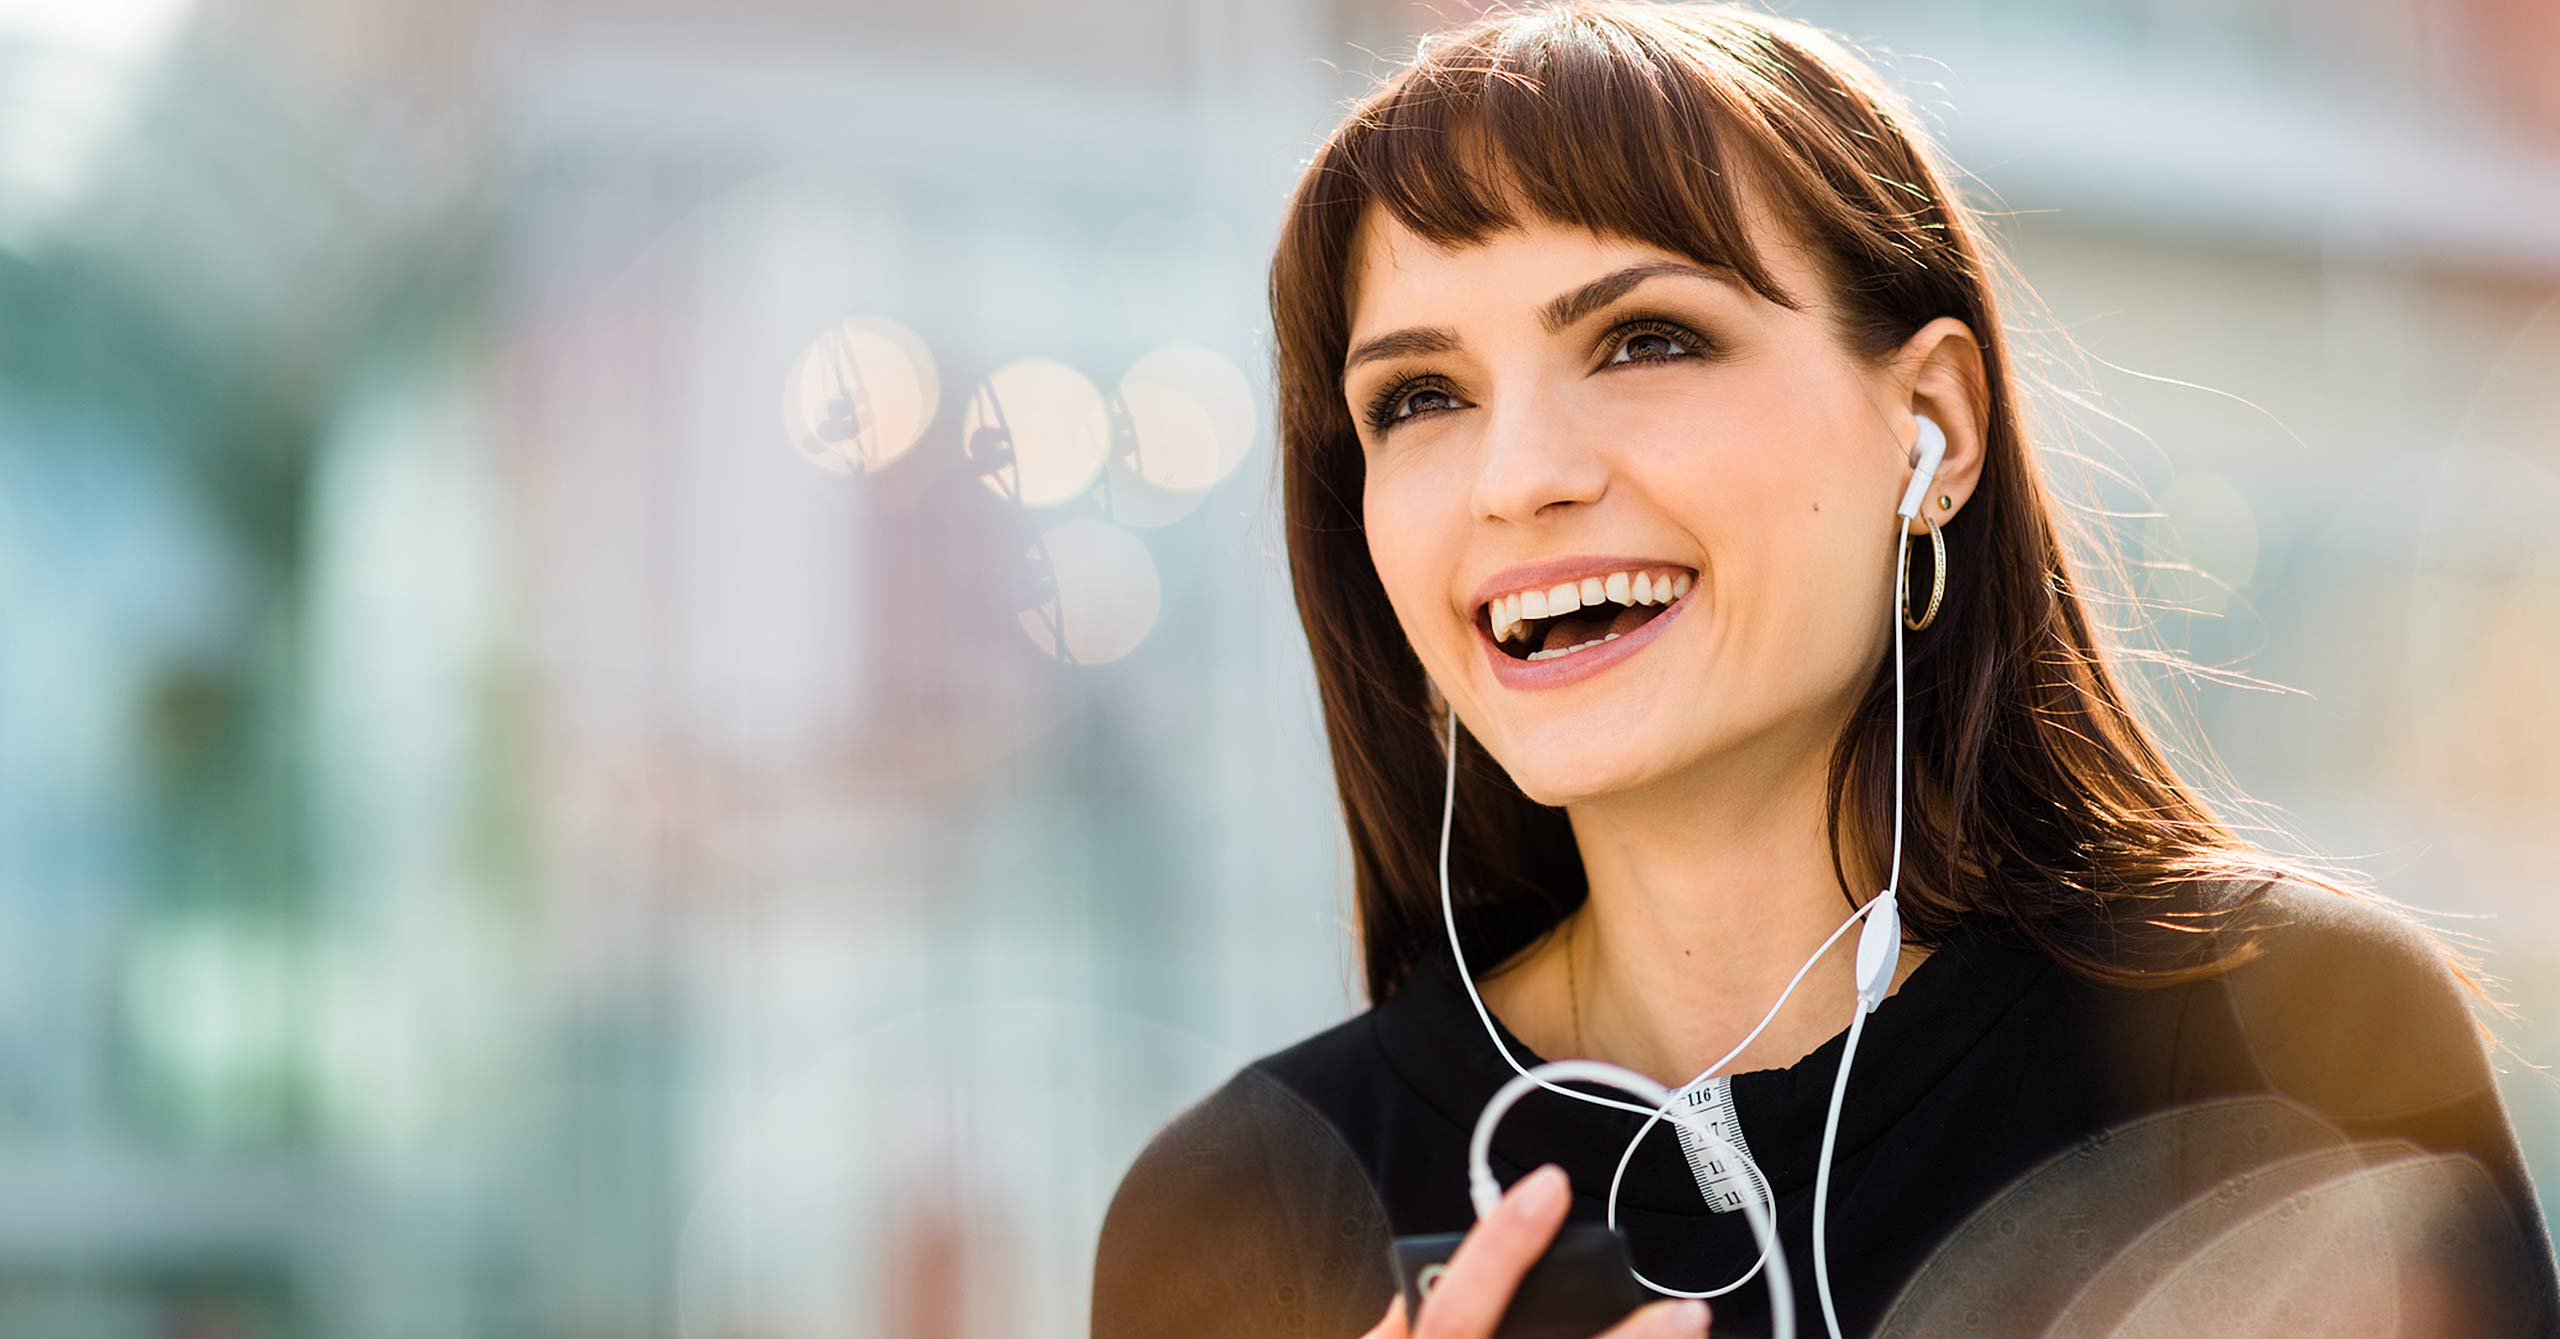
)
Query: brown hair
[{"x": 2040, "y": 801}]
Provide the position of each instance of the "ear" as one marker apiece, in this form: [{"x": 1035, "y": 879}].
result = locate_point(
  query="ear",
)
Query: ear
[{"x": 1938, "y": 372}]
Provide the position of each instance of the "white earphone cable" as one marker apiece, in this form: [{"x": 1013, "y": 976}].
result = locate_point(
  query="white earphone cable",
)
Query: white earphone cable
[
  {"x": 1858, "y": 1021},
  {"x": 1874, "y": 971}
]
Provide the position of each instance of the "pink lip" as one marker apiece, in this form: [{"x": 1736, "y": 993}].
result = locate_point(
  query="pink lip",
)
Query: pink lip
[
  {"x": 1557, "y": 571},
  {"x": 1581, "y": 665}
]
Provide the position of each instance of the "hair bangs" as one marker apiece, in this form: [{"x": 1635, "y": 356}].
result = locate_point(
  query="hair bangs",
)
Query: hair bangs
[{"x": 1567, "y": 122}]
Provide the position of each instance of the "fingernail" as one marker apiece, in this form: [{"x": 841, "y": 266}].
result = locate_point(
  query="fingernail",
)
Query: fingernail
[
  {"x": 1687, "y": 1317},
  {"x": 1543, "y": 1189}
]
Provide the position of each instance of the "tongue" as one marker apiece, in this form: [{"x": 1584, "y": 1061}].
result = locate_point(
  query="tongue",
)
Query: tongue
[
  {"x": 1571, "y": 630},
  {"x": 1575, "y": 629}
]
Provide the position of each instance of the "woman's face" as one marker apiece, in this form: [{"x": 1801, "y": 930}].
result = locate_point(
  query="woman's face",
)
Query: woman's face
[{"x": 1678, "y": 425}]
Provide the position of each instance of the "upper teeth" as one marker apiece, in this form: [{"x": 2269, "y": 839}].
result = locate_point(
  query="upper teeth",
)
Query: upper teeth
[{"x": 1512, "y": 612}]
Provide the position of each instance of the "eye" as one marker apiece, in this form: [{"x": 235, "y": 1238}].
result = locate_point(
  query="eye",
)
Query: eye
[
  {"x": 1625, "y": 337},
  {"x": 1382, "y": 418}
]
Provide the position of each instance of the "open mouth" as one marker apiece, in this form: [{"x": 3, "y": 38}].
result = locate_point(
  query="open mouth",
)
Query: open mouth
[{"x": 1577, "y": 616}]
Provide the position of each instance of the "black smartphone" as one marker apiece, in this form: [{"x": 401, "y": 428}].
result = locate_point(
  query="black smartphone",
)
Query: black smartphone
[{"x": 1584, "y": 1284}]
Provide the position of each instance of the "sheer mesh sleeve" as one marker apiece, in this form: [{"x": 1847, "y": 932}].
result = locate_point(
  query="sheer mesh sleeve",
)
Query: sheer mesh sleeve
[
  {"x": 1244, "y": 1216},
  {"x": 2355, "y": 1015},
  {"x": 2334, "y": 1158}
]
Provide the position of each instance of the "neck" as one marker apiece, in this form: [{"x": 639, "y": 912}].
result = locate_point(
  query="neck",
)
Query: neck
[{"x": 1705, "y": 899}]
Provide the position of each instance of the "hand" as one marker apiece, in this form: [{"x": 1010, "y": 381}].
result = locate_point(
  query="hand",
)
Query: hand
[{"x": 1468, "y": 1301}]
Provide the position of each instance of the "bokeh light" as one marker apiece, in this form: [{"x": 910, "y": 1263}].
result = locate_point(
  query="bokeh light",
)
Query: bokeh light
[
  {"x": 1194, "y": 416},
  {"x": 1103, "y": 594},
  {"x": 860, "y": 395},
  {"x": 1038, "y": 431}
]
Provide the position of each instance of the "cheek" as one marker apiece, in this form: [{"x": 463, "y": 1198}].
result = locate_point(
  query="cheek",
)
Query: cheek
[
  {"x": 1405, "y": 549},
  {"x": 1803, "y": 588},
  {"x": 1831, "y": 574}
]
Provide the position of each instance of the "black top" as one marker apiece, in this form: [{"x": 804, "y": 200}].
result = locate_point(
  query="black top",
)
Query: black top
[{"x": 2310, "y": 1143}]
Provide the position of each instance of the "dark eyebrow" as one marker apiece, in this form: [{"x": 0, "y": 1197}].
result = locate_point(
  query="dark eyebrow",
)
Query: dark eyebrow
[{"x": 1560, "y": 313}]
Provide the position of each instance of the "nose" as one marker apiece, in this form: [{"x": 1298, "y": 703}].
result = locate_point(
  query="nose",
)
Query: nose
[{"x": 1534, "y": 458}]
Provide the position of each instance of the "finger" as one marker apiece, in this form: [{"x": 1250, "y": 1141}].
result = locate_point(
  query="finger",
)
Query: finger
[
  {"x": 1486, "y": 1268},
  {"x": 1391, "y": 1325},
  {"x": 1681, "y": 1319}
]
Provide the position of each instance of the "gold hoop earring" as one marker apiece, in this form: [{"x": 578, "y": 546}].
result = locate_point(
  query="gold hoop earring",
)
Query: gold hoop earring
[{"x": 1937, "y": 587}]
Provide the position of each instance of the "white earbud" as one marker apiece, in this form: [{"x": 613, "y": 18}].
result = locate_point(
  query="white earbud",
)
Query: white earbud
[{"x": 1931, "y": 448}]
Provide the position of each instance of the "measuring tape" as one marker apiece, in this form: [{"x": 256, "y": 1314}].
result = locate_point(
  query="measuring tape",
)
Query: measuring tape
[{"x": 1721, "y": 1180}]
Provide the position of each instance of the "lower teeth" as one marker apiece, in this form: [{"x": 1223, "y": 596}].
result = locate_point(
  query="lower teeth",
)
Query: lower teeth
[{"x": 1562, "y": 651}]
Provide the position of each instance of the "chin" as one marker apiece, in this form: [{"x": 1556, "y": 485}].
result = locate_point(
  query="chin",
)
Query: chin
[{"x": 1559, "y": 781}]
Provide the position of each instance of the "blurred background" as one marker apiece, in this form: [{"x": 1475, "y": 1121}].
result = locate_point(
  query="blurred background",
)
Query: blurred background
[{"x": 650, "y": 688}]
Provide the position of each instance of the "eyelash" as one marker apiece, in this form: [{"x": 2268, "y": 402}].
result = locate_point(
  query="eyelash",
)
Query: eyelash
[{"x": 1380, "y": 415}]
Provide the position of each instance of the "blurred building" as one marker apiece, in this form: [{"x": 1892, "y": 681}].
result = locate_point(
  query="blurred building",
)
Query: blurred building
[{"x": 651, "y": 688}]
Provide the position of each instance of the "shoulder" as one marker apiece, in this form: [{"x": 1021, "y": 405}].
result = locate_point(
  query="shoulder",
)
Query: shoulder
[
  {"x": 1245, "y": 1214},
  {"x": 2349, "y": 1002},
  {"x": 1323, "y": 1068},
  {"x": 2352, "y": 1008}
]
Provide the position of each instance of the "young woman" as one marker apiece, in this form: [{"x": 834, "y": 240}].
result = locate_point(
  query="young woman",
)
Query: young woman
[{"x": 1611, "y": 340}]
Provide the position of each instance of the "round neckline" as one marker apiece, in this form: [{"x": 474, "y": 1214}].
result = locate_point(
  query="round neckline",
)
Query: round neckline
[{"x": 1433, "y": 1040}]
